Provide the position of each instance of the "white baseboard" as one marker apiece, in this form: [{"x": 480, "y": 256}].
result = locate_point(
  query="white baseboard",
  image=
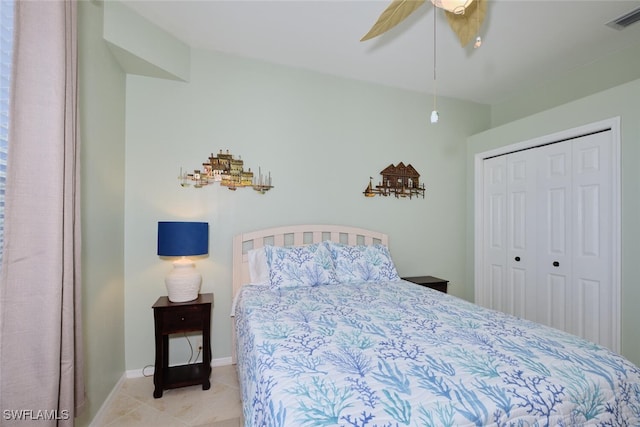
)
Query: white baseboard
[
  {"x": 147, "y": 371},
  {"x": 107, "y": 402},
  {"x": 223, "y": 361}
]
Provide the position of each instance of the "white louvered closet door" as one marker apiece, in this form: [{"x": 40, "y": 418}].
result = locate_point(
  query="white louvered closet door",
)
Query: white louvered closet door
[{"x": 548, "y": 236}]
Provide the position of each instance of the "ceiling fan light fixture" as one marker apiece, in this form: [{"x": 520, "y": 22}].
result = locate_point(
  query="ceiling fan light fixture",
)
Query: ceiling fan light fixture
[{"x": 454, "y": 6}]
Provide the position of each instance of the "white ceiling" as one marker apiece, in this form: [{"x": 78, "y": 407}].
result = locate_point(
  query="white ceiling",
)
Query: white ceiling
[{"x": 525, "y": 42}]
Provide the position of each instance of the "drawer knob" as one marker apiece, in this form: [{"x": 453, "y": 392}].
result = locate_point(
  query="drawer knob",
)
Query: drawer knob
[
  {"x": 517, "y": 259},
  {"x": 182, "y": 318},
  {"x": 556, "y": 264}
]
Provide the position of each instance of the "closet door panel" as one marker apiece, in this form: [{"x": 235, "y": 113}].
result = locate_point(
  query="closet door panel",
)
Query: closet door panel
[
  {"x": 553, "y": 301},
  {"x": 494, "y": 230},
  {"x": 589, "y": 319},
  {"x": 520, "y": 289},
  {"x": 592, "y": 244},
  {"x": 554, "y": 228}
]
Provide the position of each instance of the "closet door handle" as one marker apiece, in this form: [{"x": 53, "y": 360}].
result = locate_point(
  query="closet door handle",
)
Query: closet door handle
[
  {"x": 517, "y": 259},
  {"x": 556, "y": 264}
]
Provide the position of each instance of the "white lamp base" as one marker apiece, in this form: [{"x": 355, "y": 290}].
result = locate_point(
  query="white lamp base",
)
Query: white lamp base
[{"x": 183, "y": 282}]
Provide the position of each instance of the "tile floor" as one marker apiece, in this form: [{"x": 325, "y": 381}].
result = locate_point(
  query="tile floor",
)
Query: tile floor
[{"x": 134, "y": 405}]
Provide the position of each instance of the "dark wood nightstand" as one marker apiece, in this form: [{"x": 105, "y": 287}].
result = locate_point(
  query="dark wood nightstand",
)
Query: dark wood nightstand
[
  {"x": 430, "y": 282},
  {"x": 179, "y": 317}
]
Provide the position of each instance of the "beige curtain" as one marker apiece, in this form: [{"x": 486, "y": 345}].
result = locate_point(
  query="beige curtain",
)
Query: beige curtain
[{"x": 41, "y": 361}]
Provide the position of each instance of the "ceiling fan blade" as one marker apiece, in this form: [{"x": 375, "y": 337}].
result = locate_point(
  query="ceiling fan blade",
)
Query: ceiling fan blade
[
  {"x": 395, "y": 13},
  {"x": 467, "y": 26}
]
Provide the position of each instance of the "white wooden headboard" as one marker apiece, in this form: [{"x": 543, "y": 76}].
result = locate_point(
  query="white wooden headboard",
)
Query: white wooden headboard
[{"x": 295, "y": 235}]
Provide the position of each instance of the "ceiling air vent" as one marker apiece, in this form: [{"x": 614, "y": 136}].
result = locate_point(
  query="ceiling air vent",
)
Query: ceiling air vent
[{"x": 625, "y": 20}]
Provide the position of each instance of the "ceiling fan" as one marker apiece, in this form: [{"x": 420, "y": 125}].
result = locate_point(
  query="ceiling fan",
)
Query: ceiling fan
[{"x": 464, "y": 16}]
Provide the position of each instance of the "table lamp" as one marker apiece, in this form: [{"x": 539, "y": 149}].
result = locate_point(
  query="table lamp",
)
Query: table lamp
[{"x": 183, "y": 239}]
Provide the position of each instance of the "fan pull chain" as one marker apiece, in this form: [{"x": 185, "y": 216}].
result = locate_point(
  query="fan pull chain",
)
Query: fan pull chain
[
  {"x": 478, "y": 42},
  {"x": 434, "y": 114}
]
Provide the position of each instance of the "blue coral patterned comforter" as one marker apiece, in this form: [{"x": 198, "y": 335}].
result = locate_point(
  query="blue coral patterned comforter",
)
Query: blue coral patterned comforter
[{"x": 397, "y": 354}]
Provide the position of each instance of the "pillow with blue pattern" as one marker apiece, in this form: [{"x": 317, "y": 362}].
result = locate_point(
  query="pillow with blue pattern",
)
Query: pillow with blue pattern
[
  {"x": 362, "y": 263},
  {"x": 298, "y": 266}
]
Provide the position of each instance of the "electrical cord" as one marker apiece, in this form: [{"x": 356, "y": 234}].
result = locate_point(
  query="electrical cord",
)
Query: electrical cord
[
  {"x": 190, "y": 361},
  {"x": 147, "y": 375}
]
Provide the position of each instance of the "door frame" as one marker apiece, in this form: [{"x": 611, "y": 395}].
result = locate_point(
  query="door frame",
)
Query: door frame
[{"x": 612, "y": 124}]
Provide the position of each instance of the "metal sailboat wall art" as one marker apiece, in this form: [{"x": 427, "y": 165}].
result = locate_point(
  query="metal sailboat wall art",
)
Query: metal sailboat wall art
[{"x": 227, "y": 171}]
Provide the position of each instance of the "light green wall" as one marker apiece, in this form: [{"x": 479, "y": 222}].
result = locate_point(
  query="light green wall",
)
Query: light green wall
[
  {"x": 102, "y": 100},
  {"x": 617, "y": 68},
  {"x": 142, "y": 47},
  {"x": 321, "y": 137},
  {"x": 620, "y": 101}
]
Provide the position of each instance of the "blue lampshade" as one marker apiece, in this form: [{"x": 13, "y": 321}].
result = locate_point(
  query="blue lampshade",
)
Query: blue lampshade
[{"x": 183, "y": 238}]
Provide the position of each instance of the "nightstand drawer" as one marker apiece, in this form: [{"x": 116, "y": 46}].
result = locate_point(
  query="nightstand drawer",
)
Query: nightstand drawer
[{"x": 182, "y": 320}]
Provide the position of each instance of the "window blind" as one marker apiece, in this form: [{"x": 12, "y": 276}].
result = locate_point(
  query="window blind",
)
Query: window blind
[{"x": 6, "y": 45}]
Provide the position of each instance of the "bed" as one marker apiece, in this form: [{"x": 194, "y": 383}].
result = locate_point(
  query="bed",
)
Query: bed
[{"x": 342, "y": 340}]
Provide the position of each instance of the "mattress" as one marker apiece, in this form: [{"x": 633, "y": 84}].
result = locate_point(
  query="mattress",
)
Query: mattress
[{"x": 398, "y": 354}]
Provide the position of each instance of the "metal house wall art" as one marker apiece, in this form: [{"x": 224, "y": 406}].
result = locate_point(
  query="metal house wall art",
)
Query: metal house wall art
[
  {"x": 400, "y": 181},
  {"x": 228, "y": 172}
]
